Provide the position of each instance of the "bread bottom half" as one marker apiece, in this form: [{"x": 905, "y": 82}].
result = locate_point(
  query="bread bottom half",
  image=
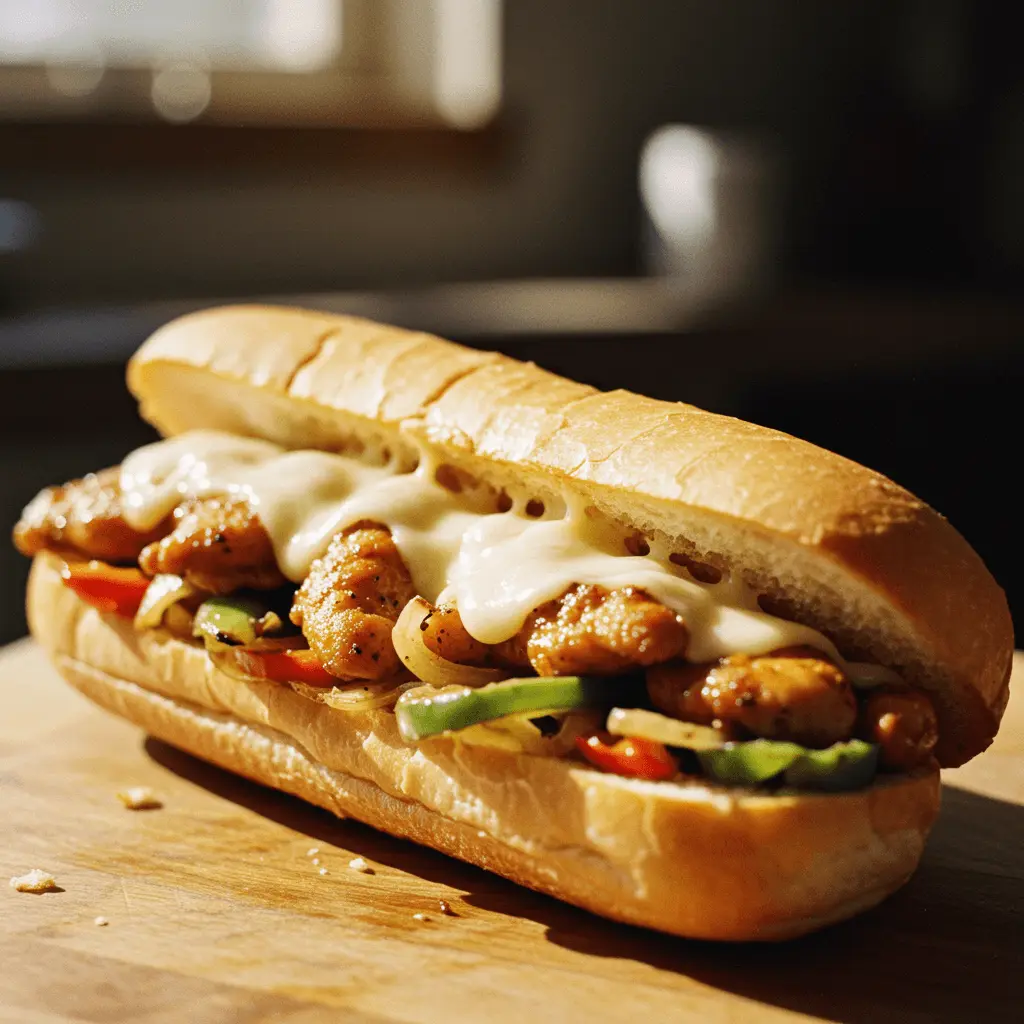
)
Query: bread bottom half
[{"x": 687, "y": 859}]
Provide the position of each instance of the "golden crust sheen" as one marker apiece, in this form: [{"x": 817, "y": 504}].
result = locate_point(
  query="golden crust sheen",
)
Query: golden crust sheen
[
  {"x": 851, "y": 552},
  {"x": 683, "y": 859}
]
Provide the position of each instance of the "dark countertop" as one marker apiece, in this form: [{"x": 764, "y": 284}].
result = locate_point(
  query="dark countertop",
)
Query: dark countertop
[{"x": 798, "y": 331}]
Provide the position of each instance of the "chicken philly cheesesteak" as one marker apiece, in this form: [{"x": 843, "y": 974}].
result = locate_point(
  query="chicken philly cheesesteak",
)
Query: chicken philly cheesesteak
[{"x": 675, "y": 668}]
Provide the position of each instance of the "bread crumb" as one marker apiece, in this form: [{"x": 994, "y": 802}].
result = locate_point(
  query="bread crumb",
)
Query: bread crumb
[
  {"x": 446, "y": 908},
  {"x": 100, "y": 922},
  {"x": 316, "y": 861},
  {"x": 359, "y": 864},
  {"x": 35, "y": 880},
  {"x": 140, "y": 798},
  {"x": 312, "y": 851},
  {"x": 323, "y": 871},
  {"x": 481, "y": 834},
  {"x": 420, "y": 917}
]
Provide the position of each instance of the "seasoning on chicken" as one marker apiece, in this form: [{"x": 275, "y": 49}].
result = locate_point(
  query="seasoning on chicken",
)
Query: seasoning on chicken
[
  {"x": 218, "y": 545},
  {"x": 587, "y": 631},
  {"x": 445, "y": 635},
  {"x": 348, "y": 604},
  {"x": 85, "y": 516},
  {"x": 902, "y": 723},
  {"x": 791, "y": 694},
  {"x": 594, "y": 631}
]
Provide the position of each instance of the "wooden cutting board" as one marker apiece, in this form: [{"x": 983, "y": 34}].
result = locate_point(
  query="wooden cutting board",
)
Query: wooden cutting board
[{"x": 218, "y": 912}]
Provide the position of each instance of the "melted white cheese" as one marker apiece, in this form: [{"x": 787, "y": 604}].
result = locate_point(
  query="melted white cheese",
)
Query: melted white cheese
[
  {"x": 155, "y": 479},
  {"x": 303, "y": 498},
  {"x": 497, "y": 567},
  {"x": 507, "y": 566}
]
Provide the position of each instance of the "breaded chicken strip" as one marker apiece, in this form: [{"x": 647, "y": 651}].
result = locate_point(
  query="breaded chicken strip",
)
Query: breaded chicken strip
[
  {"x": 445, "y": 635},
  {"x": 218, "y": 545},
  {"x": 591, "y": 630},
  {"x": 348, "y": 604},
  {"x": 587, "y": 631},
  {"x": 85, "y": 516},
  {"x": 902, "y": 723},
  {"x": 791, "y": 694}
]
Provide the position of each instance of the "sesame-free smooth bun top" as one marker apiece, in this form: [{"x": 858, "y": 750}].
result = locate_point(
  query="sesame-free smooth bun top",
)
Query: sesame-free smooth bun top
[{"x": 825, "y": 540}]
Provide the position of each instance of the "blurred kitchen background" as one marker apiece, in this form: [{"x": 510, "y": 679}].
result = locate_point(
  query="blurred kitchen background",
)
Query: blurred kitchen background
[{"x": 807, "y": 214}]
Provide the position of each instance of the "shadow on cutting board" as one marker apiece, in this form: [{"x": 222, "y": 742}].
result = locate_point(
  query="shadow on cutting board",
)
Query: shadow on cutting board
[{"x": 954, "y": 929}]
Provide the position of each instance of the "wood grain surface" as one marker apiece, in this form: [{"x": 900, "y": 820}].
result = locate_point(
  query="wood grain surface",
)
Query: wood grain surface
[{"x": 217, "y": 912}]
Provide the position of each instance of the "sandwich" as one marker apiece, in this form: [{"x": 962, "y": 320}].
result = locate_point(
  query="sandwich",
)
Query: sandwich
[{"x": 677, "y": 669}]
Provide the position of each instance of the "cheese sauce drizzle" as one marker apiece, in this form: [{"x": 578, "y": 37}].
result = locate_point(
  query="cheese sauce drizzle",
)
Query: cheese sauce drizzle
[{"x": 496, "y": 566}]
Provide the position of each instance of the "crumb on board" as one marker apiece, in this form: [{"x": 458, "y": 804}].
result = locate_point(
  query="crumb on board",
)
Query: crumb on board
[
  {"x": 481, "y": 834},
  {"x": 420, "y": 917},
  {"x": 359, "y": 864},
  {"x": 446, "y": 908},
  {"x": 139, "y": 798},
  {"x": 312, "y": 851},
  {"x": 100, "y": 922},
  {"x": 315, "y": 862},
  {"x": 35, "y": 880},
  {"x": 323, "y": 871}
]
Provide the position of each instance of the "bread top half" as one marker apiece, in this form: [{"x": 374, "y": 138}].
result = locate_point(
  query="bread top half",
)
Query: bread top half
[{"x": 825, "y": 540}]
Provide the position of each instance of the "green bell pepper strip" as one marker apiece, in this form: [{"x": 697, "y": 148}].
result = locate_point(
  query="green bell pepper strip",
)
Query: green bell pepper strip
[
  {"x": 424, "y": 715},
  {"x": 842, "y": 766}
]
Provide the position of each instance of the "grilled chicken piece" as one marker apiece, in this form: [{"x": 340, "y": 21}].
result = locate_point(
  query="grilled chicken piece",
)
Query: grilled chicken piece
[
  {"x": 791, "y": 694},
  {"x": 902, "y": 723},
  {"x": 594, "y": 631},
  {"x": 445, "y": 635},
  {"x": 218, "y": 545},
  {"x": 85, "y": 516},
  {"x": 350, "y": 601},
  {"x": 587, "y": 631}
]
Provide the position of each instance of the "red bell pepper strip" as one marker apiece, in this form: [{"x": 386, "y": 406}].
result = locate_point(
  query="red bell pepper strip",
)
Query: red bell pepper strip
[
  {"x": 633, "y": 757},
  {"x": 110, "y": 588},
  {"x": 284, "y": 667}
]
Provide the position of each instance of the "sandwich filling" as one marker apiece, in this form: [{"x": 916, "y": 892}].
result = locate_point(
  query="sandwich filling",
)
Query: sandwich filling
[{"x": 537, "y": 625}]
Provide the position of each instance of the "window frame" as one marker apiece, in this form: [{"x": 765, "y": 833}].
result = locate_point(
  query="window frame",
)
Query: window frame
[{"x": 383, "y": 77}]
